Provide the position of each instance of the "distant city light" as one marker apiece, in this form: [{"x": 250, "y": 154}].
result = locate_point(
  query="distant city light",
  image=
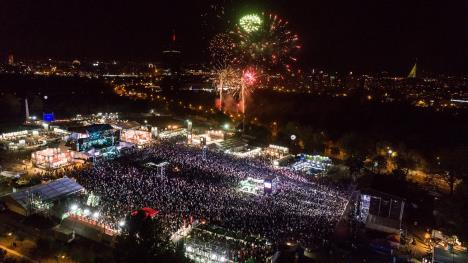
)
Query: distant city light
[{"x": 461, "y": 101}]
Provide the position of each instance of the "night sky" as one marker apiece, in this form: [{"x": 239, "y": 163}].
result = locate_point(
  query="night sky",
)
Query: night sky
[{"x": 360, "y": 35}]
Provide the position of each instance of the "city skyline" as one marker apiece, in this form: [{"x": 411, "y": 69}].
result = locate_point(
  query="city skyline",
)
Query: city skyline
[{"x": 336, "y": 36}]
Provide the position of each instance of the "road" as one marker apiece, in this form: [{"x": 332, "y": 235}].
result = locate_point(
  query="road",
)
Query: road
[{"x": 16, "y": 253}]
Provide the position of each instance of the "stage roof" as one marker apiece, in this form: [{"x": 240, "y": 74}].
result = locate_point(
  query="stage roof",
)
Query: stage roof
[
  {"x": 373, "y": 192},
  {"x": 49, "y": 192},
  {"x": 91, "y": 128},
  {"x": 128, "y": 125}
]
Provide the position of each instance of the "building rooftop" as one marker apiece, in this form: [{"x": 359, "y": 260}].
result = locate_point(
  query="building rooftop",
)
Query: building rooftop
[{"x": 48, "y": 192}]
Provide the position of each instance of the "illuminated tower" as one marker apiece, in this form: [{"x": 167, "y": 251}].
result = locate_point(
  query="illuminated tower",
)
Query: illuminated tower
[
  {"x": 26, "y": 106},
  {"x": 412, "y": 73},
  {"x": 172, "y": 56},
  {"x": 11, "y": 59}
]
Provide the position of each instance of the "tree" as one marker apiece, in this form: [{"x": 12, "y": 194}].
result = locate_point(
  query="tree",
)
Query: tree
[
  {"x": 43, "y": 246},
  {"x": 380, "y": 163},
  {"x": 454, "y": 162},
  {"x": 313, "y": 141},
  {"x": 355, "y": 164},
  {"x": 10, "y": 104},
  {"x": 354, "y": 145},
  {"x": 405, "y": 162},
  {"x": 339, "y": 173},
  {"x": 143, "y": 239}
]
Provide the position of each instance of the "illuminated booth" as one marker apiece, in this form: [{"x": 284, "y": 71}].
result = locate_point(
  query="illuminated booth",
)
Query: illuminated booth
[
  {"x": 270, "y": 185},
  {"x": 172, "y": 132},
  {"x": 276, "y": 151},
  {"x": 210, "y": 137},
  {"x": 254, "y": 186},
  {"x": 26, "y": 139},
  {"x": 52, "y": 158},
  {"x": 312, "y": 164},
  {"x": 278, "y": 155},
  {"x": 137, "y": 137}
]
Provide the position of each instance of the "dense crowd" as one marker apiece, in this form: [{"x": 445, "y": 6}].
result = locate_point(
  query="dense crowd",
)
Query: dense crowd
[{"x": 203, "y": 185}]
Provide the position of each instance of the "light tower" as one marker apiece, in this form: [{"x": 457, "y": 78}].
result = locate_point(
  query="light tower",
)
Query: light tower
[
  {"x": 26, "y": 106},
  {"x": 11, "y": 59},
  {"x": 412, "y": 73}
]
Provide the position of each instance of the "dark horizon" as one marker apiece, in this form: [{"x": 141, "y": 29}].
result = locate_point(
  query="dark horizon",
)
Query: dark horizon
[{"x": 365, "y": 37}]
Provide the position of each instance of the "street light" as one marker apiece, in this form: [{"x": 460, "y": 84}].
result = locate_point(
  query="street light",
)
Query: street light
[{"x": 427, "y": 235}]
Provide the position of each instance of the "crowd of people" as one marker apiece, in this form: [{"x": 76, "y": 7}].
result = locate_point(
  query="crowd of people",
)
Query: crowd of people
[{"x": 200, "y": 184}]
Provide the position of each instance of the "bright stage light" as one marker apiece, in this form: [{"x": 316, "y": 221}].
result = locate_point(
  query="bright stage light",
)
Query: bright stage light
[
  {"x": 214, "y": 256},
  {"x": 74, "y": 207},
  {"x": 189, "y": 249},
  {"x": 96, "y": 215},
  {"x": 122, "y": 223},
  {"x": 86, "y": 212}
]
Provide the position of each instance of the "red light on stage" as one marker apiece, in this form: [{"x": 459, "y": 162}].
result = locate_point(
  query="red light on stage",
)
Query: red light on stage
[{"x": 149, "y": 212}]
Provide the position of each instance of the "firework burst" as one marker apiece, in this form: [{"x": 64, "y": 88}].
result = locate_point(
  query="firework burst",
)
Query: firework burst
[
  {"x": 250, "y": 23},
  {"x": 266, "y": 42},
  {"x": 222, "y": 51}
]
